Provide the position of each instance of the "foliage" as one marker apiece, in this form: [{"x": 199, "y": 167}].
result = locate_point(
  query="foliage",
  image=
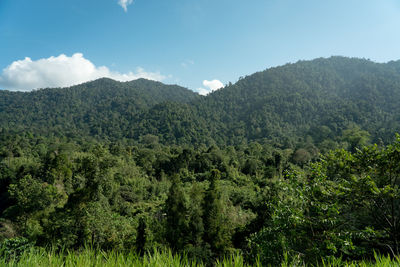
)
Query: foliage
[
  {"x": 328, "y": 103},
  {"x": 14, "y": 248},
  {"x": 90, "y": 257},
  {"x": 277, "y": 168},
  {"x": 346, "y": 205}
]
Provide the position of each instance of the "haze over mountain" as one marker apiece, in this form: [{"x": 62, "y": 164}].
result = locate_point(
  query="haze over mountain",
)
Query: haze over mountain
[{"x": 314, "y": 100}]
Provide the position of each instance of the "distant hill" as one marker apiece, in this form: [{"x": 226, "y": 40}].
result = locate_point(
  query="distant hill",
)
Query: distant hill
[
  {"x": 303, "y": 98},
  {"x": 306, "y": 102},
  {"x": 98, "y": 108}
]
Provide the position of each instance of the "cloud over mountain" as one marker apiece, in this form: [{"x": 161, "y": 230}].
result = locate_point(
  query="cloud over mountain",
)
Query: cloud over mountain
[{"x": 61, "y": 71}]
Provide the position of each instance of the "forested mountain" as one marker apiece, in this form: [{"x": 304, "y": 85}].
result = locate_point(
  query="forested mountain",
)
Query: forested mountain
[
  {"x": 251, "y": 169},
  {"x": 103, "y": 107},
  {"x": 318, "y": 100},
  {"x": 308, "y": 101},
  {"x": 308, "y": 96}
]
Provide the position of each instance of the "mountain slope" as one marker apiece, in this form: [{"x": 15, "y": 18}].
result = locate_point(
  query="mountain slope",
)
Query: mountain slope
[
  {"x": 296, "y": 98},
  {"x": 315, "y": 100},
  {"x": 308, "y": 101},
  {"x": 103, "y": 107}
]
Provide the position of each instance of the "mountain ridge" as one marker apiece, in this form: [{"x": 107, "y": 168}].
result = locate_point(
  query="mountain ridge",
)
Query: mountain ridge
[{"x": 286, "y": 104}]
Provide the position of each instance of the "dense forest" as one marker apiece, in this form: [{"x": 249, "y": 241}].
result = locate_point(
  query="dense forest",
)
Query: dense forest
[
  {"x": 300, "y": 161},
  {"x": 314, "y": 101}
]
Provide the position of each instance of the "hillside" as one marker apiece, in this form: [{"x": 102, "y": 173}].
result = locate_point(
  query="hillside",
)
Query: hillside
[
  {"x": 99, "y": 108},
  {"x": 139, "y": 166},
  {"x": 308, "y": 101},
  {"x": 310, "y": 97}
]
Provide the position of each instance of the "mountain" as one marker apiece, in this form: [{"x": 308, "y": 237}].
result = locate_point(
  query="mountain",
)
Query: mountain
[
  {"x": 314, "y": 100},
  {"x": 108, "y": 164},
  {"x": 307, "y": 102},
  {"x": 98, "y": 108},
  {"x": 303, "y": 98}
]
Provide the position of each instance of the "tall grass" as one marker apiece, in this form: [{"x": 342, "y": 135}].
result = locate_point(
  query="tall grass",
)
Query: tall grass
[
  {"x": 380, "y": 260},
  {"x": 91, "y": 258}
]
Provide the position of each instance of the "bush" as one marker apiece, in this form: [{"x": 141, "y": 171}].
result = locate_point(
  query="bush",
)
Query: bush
[{"x": 13, "y": 248}]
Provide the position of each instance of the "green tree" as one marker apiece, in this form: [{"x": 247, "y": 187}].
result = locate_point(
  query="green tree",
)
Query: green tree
[
  {"x": 141, "y": 237},
  {"x": 216, "y": 232},
  {"x": 356, "y": 137},
  {"x": 195, "y": 247},
  {"x": 31, "y": 195},
  {"x": 176, "y": 216}
]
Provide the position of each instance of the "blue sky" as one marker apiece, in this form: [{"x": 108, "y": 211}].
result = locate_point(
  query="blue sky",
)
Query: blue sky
[{"x": 192, "y": 43}]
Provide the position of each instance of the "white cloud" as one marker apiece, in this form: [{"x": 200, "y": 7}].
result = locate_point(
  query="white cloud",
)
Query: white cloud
[
  {"x": 125, "y": 4},
  {"x": 203, "y": 91},
  {"x": 61, "y": 71},
  {"x": 211, "y": 86}
]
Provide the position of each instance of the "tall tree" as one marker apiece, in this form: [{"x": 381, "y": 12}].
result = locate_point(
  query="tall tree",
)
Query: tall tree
[
  {"x": 141, "y": 237},
  {"x": 175, "y": 208},
  {"x": 216, "y": 233}
]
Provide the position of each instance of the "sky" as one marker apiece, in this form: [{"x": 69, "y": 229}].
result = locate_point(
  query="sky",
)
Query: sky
[{"x": 198, "y": 44}]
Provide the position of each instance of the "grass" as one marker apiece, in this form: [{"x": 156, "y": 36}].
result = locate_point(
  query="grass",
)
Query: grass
[
  {"x": 91, "y": 257},
  {"x": 380, "y": 260}
]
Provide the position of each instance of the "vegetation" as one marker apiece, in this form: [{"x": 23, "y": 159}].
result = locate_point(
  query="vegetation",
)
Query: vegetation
[
  {"x": 91, "y": 257},
  {"x": 276, "y": 169},
  {"x": 325, "y": 102}
]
